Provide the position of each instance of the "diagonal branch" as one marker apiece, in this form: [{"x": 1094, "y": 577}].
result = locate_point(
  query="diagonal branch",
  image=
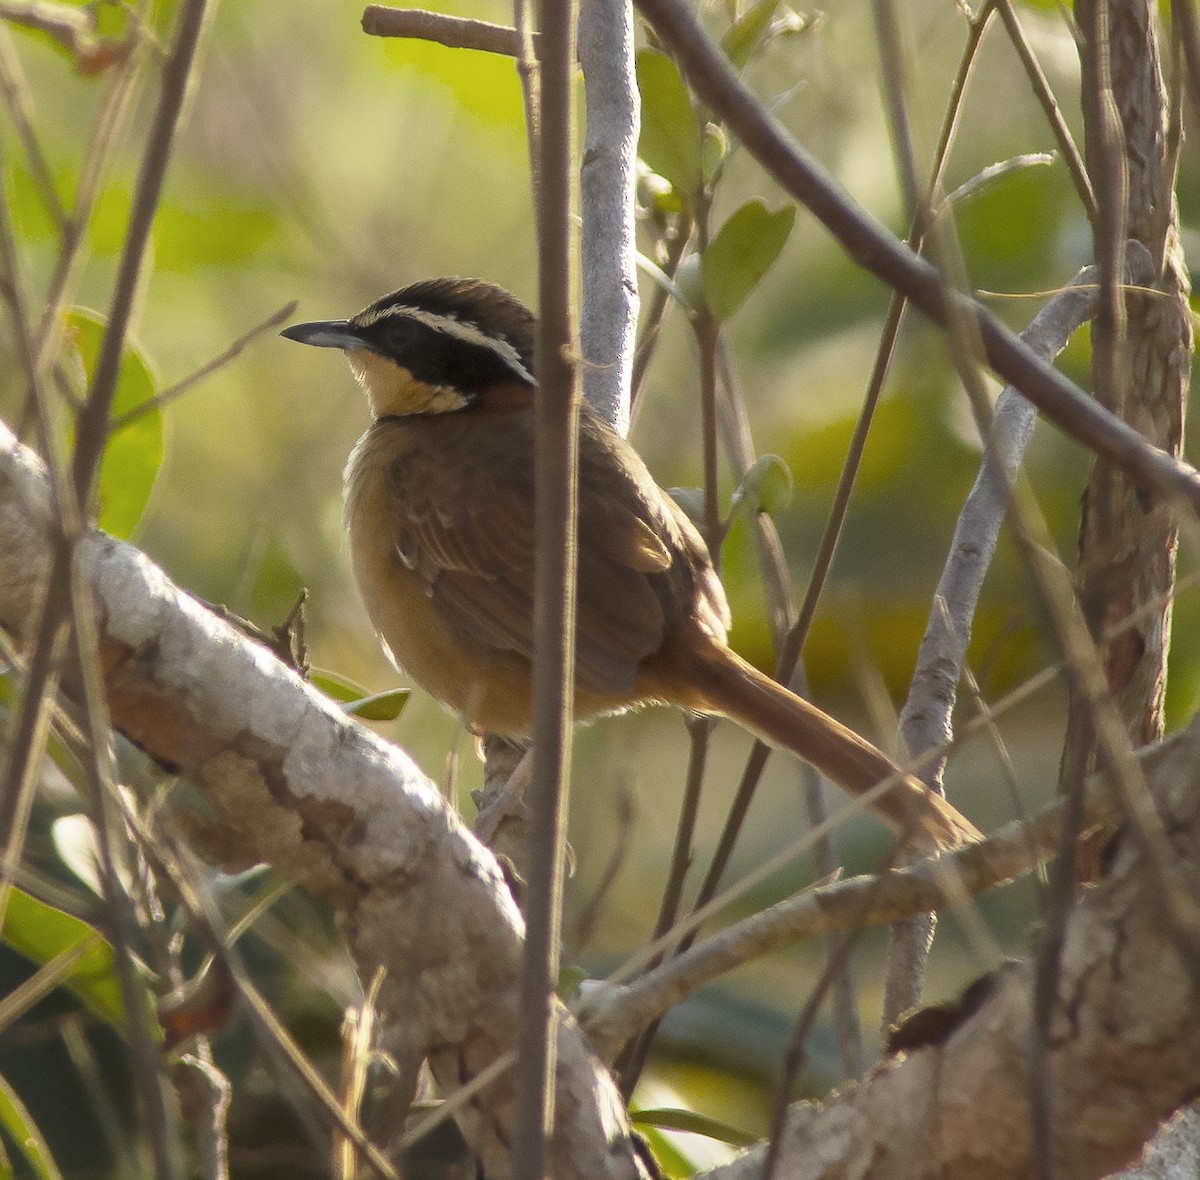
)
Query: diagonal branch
[
  {"x": 293, "y": 781},
  {"x": 881, "y": 253}
]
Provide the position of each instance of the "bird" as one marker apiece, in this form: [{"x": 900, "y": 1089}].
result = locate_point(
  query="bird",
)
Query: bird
[{"x": 439, "y": 507}]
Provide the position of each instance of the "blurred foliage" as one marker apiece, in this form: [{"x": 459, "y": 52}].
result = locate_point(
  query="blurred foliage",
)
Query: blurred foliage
[{"x": 322, "y": 165}]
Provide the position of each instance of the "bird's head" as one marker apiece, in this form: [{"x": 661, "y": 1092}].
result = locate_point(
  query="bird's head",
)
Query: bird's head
[{"x": 434, "y": 347}]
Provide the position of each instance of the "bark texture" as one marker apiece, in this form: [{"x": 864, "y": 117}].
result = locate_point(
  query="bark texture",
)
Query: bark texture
[
  {"x": 1123, "y": 1055},
  {"x": 1127, "y": 542}
]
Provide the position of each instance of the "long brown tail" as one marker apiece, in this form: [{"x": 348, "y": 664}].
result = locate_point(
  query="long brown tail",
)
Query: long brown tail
[{"x": 719, "y": 681}]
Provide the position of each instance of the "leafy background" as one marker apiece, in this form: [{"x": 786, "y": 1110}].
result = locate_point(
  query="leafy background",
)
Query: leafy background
[{"x": 326, "y": 167}]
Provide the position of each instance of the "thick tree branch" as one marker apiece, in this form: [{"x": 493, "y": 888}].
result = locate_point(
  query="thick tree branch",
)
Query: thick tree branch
[
  {"x": 1125, "y": 1052},
  {"x": 291, "y": 780}
]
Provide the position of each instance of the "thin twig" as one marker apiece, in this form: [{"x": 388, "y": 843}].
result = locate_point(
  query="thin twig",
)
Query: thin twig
[
  {"x": 556, "y": 443},
  {"x": 92, "y": 428},
  {"x": 1187, "y": 31},
  {"x": 111, "y": 121},
  {"x": 776, "y": 579},
  {"x": 206, "y": 370},
  {"x": 656, "y": 306},
  {"x": 909, "y": 943},
  {"x": 74, "y": 28},
  {"x": 378, "y": 20},
  {"x": 788, "y": 657},
  {"x": 28, "y": 739},
  {"x": 633, "y": 1061}
]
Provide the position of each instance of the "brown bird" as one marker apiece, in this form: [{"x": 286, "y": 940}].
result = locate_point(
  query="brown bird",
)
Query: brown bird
[{"x": 439, "y": 506}]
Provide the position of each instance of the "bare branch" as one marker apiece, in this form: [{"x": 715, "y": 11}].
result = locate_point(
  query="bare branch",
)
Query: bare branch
[
  {"x": 612, "y": 1012},
  {"x": 607, "y": 175},
  {"x": 378, "y": 20},
  {"x": 925, "y": 720}
]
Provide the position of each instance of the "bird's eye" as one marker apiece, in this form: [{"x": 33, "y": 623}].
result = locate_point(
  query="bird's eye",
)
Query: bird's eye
[{"x": 400, "y": 333}]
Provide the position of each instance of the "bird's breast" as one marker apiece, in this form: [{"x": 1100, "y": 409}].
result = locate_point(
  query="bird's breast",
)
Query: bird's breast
[{"x": 490, "y": 689}]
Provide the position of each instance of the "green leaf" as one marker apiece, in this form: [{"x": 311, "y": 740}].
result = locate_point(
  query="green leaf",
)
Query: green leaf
[
  {"x": 698, "y": 1124},
  {"x": 42, "y": 933},
  {"x": 670, "y": 1160},
  {"x": 767, "y": 486},
  {"x": 24, "y": 1132},
  {"x": 134, "y": 452},
  {"x": 379, "y": 706},
  {"x": 670, "y": 136},
  {"x": 333, "y": 684},
  {"x": 746, "y": 33},
  {"x": 741, "y": 253},
  {"x": 570, "y": 981}
]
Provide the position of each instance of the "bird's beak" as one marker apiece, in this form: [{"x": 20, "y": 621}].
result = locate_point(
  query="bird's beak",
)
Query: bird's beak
[{"x": 324, "y": 334}]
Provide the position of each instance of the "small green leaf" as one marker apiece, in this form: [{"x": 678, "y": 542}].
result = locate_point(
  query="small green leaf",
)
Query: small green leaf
[
  {"x": 134, "y": 452},
  {"x": 670, "y": 137},
  {"x": 713, "y": 153},
  {"x": 657, "y": 193},
  {"x": 570, "y": 980},
  {"x": 341, "y": 688},
  {"x": 42, "y": 933},
  {"x": 767, "y": 486},
  {"x": 746, "y": 33},
  {"x": 24, "y": 1132},
  {"x": 697, "y": 1124},
  {"x": 741, "y": 253},
  {"x": 380, "y": 706},
  {"x": 689, "y": 281}
]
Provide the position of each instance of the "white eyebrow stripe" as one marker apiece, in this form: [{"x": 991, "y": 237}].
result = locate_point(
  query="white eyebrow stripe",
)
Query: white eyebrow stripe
[{"x": 451, "y": 326}]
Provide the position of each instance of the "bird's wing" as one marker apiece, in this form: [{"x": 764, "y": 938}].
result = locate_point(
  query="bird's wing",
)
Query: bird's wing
[{"x": 464, "y": 524}]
